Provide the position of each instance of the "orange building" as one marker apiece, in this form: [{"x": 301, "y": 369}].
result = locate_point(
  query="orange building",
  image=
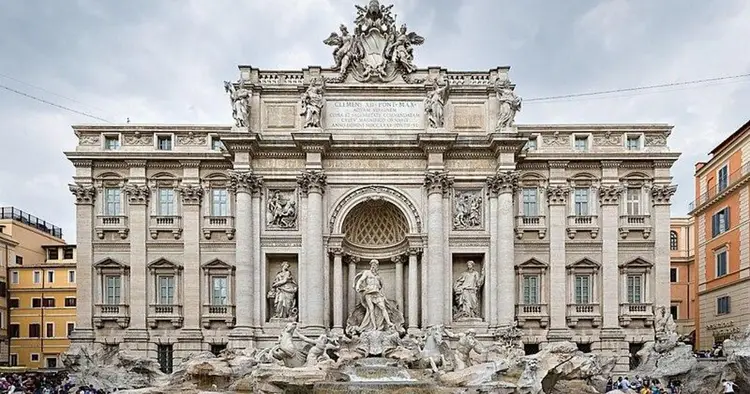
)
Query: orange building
[
  {"x": 682, "y": 273},
  {"x": 722, "y": 238}
]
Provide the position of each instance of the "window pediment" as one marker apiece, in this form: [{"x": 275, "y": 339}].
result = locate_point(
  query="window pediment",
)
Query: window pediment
[
  {"x": 635, "y": 179},
  {"x": 584, "y": 264},
  {"x": 163, "y": 179},
  {"x": 216, "y": 179},
  {"x": 163, "y": 264},
  {"x": 110, "y": 265},
  {"x": 583, "y": 179},
  {"x": 636, "y": 264},
  {"x": 217, "y": 264},
  {"x": 531, "y": 264},
  {"x": 532, "y": 179}
]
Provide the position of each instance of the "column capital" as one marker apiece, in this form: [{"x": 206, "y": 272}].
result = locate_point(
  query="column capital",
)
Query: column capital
[
  {"x": 137, "y": 194},
  {"x": 610, "y": 194},
  {"x": 502, "y": 182},
  {"x": 84, "y": 194},
  {"x": 662, "y": 194},
  {"x": 352, "y": 259},
  {"x": 245, "y": 181},
  {"x": 336, "y": 251},
  {"x": 312, "y": 181},
  {"x": 191, "y": 194},
  {"x": 437, "y": 182},
  {"x": 414, "y": 251},
  {"x": 557, "y": 194},
  {"x": 397, "y": 259}
]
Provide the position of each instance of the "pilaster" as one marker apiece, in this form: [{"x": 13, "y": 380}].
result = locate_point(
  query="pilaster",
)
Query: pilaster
[
  {"x": 661, "y": 196},
  {"x": 138, "y": 197},
  {"x": 503, "y": 184},
  {"x": 557, "y": 197},
  {"x": 192, "y": 195},
  {"x": 609, "y": 198},
  {"x": 85, "y": 195}
]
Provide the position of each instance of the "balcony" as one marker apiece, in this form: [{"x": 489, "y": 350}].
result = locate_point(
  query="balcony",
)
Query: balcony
[
  {"x": 734, "y": 178},
  {"x": 531, "y": 223},
  {"x": 162, "y": 223},
  {"x": 114, "y": 223},
  {"x": 223, "y": 224},
  {"x": 578, "y": 312},
  {"x": 639, "y": 311},
  {"x": 635, "y": 223},
  {"x": 162, "y": 312},
  {"x": 578, "y": 223},
  {"x": 527, "y": 312},
  {"x": 217, "y": 313},
  {"x": 118, "y": 313}
]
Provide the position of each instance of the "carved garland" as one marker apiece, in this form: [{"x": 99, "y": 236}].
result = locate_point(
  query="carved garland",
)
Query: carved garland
[{"x": 375, "y": 190}]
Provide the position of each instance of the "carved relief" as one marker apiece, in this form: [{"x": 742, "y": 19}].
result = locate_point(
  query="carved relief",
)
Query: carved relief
[
  {"x": 281, "y": 211},
  {"x": 191, "y": 194},
  {"x": 659, "y": 139},
  {"x": 138, "y": 139},
  {"x": 437, "y": 182},
  {"x": 244, "y": 181},
  {"x": 88, "y": 139},
  {"x": 312, "y": 181},
  {"x": 137, "y": 194},
  {"x": 84, "y": 194},
  {"x": 610, "y": 194},
  {"x": 191, "y": 139},
  {"x": 558, "y": 194},
  {"x": 503, "y": 182},
  {"x": 555, "y": 139},
  {"x": 467, "y": 210},
  {"x": 608, "y": 139},
  {"x": 662, "y": 194}
]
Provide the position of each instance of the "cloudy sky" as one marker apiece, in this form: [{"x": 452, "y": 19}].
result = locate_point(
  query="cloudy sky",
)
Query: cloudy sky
[{"x": 164, "y": 62}]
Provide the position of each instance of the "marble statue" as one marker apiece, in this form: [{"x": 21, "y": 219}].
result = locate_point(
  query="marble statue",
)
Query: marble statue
[
  {"x": 467, "y": 342},
  {"x": 347, "y": 49},
  {"x": 435, "y": 351},
  {"x": 468, "y": 211},
  {"x": 466, "y": 291},
  {"x": 284, "y": 352},
  {"x": 312, "y": 104},
  {"x": 374, "y": 16},
  {"x": 510, "y": 104},
  {"x": 284, "y": 294},
  {"x": 282, "y": 210},
  {"x": 434, "y": 104},
  {"x": 374, "y": 312},
  {"x": 240, "y": 99},
  {"x": 665, "y": 330},
  {"x": 319, "y": 351},
  {"x": 399, "y": 51}
]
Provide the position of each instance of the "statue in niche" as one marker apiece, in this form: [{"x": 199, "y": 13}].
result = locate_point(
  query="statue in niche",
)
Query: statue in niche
[
  {"x": 466, "y": 291},
  {"x": 510, "y": 104},
  {"x": 468, "y": 211},
  {"x": 434, "y": 104},
  {"x": 240, "y": 99},
  {"x": 312, "y": 103},
  {"x": 374, "y": 312},
  {"x": 282, "y": 210},
  {"x": 283, "y": 293}
]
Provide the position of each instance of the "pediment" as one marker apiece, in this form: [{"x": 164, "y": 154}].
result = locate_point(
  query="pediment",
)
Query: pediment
[
  {"x": 532, "y": 263},
  {"x": 637, "y": 263},
  {"x": 584, "y": 263},
  {"x": 217, "y": 264},
  {"x": 110, "y": 263},
  {"x": 163, "y": 263}
]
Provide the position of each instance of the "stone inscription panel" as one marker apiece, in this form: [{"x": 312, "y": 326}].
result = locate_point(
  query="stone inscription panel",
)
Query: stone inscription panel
[{"x": 375, "y": 114}]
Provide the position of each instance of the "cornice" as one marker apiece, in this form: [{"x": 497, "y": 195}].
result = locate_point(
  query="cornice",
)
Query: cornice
[{"x": 150, "y": 128}]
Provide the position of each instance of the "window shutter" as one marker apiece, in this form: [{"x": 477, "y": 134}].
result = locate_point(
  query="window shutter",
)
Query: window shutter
[
  {"x": 726, "y": 219},
  {"x": 714, "y": 224}
]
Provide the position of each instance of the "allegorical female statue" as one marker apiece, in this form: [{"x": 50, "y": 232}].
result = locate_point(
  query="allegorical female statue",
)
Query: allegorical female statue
[
  {"x": 466, "y": 288},
  {"x": 434, "y": 105},
  {"x": 510, "y": 104},
  {"x": 374, "y": 312},
  {"x": 284, "y": 292}
]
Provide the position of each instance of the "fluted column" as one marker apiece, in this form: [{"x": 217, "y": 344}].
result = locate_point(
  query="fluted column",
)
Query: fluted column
[
  {"x": 399, "y": 261},
  {"x": 191, "y": 222},
  {"x": 503, "y": 184},
  {"x": 244, "y": 183},
  {"x": 413, "y": 292},
  {"x": 437, "y": 183},
  {"x": 609, "y": 197},
  {"x": 85, "y": 195},
  {"x": 138, "y": 197},
  {"x": 557, "y": 196},
  {"x": 338, "y": 289},
  {"x": 312, "y": 184},
  {"x": 661, "y": 196}
]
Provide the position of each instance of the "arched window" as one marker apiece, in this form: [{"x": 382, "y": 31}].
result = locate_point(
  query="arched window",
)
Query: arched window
[{"x": 673, "y": 240}]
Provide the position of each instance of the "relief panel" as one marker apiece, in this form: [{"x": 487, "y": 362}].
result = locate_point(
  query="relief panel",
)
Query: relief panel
[{"x": 281, "y": 209}]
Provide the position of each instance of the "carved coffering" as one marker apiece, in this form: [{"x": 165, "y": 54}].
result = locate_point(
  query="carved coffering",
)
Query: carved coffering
[{"x": 375, "y": 224}]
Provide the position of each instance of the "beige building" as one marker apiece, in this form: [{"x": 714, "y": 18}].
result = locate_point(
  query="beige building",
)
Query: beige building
[{"x": 183, "y": 229}]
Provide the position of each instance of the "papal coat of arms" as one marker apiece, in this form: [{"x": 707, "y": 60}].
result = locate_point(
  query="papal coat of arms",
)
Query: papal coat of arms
[{"x": 377, "y": 50}]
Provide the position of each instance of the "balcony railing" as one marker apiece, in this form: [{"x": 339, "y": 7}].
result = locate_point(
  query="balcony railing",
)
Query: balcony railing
[
  {"x": 30, "y": 220},
  {"x": 117, "y": 223},
  {"x": 531, "y": 223},
  {"x": 526, "y": 312},
  {"x": 714, "y": 190},
  {"x": 220, "y": 313},
  {"x": 165, "y": 312},
  {"x": 581, "y": 220},
  {"x": 168, "y": 223},
  {"x": 636, "y": 311},
  {"x": 218, "y": 224},
  {"x": 118, "y": 313},
  {"x": 577, "y": 312},
  {"x": 635, "y": 222}
]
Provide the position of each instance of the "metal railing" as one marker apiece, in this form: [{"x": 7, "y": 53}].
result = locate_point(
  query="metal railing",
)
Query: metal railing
[
  {"x": 30, "y": 220},
  {"x": 714, "y": 190}
]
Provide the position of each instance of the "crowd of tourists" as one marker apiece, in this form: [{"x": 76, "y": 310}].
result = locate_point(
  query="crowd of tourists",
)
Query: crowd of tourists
[
  {"x": 643, "y": 385},
  {"x": 42, "y": 383}
]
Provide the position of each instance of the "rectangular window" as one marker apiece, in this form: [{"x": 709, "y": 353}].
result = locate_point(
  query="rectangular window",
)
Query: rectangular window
[
  {"x": 721, "y": 263},
  {"x": 673, "y": 277},
  {"x": 633, "y": 200},
  {"x": 48, "y": 302},
  {"x": 112, "y": 290},
  {"x": 634, "y": 289},
  {"x": 111, "y": 142},
  {"x": 581, "y": 143},
  {"x": 530, "y": 289},
  {"x": 216, "y": 143},
  {"x": 166, "y": 290},
  {"x": 35, "y": 331},
  {"x": 71, "y": 276},
  {"x": 164, "y": 357},
  {"x": 50, "y": 276},
  {"x": 14, "y": 277},
  {"x": 722, "y": 178},
  {"x": 50, "y": 330},
  {"x": 530, "y": 207},
  {"x": 36, "y": 302},
  {"x": 68, "y": 254},
  {"x": 70, "y": 327},
  {"x": 219, "y": 202},
  {"x": 37, "y": 277},
  {"x": 722, "y": 305},
  {"x": 531, "y": 144},
  {"x": 13, "y": 360},
  {"x": 19, "y": 260},
  {"x": 166, "y": 205},
  {"x": 164, "y": 142},
  {"x": 14, "y": 303},
  {"x": 582, "y": 289},
  {"x": 70, "y": 302},
  {"x": 34, "y": 356},
  {"x": 633, "y": 142},
  {"x": 581, "y": 201},
  {"x": 219, "y": 290},
  {"x": 673, "y": 311},
  {"x": 3, "y": 289},
  {"x": 52, "y": 254},
  {"x": 112, "y": 201},
  {"x": 720, "y": 222},
  {"x": 51, "y": 362},
  {"x": 14, "y": 330}
]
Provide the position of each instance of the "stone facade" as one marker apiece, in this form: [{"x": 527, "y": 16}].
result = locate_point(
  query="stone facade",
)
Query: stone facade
[{"x": 188, "y": 226}]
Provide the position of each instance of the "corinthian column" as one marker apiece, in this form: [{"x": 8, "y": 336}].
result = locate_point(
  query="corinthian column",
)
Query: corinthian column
[
  {"x": 437, "y": 183},
  {"x": 191, "y": 219},
  {"x": 85, "y": 196},
  {"x": 609, "y": 198},
  {"x": 503, "y": 184},
  {"x": 312, "y": 184},
  {"x": 557, "y": 196},
  {"x": 138, "y": 196},
  {"x": 244, "y": 184}
]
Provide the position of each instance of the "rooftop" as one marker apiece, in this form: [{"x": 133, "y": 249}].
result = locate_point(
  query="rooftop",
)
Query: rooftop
[{"x": 30, "y": 220}]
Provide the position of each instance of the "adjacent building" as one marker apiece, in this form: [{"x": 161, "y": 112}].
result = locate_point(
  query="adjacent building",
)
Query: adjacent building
[
  {"x": 26, "y": 241},
  {"x": 722, "y": 238},
  {"x": 682, "y": 273}
]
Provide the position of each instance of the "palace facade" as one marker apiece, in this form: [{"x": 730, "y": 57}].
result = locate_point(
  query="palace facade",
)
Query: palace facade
[{"x": 183, "y": 230}]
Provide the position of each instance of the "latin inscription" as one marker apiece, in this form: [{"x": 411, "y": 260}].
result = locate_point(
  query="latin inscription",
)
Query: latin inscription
[{"x": 372, "y": 114}]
